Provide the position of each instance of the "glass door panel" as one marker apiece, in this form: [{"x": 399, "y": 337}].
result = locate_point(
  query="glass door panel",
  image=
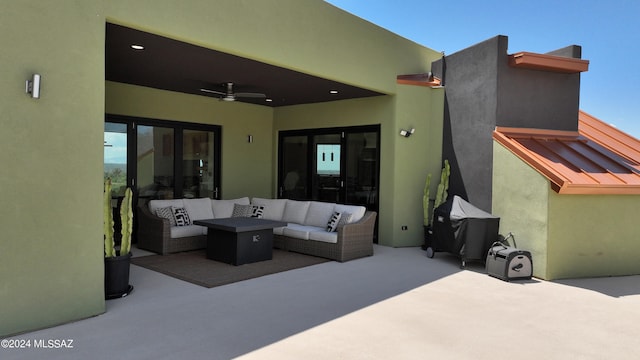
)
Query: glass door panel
[
  {"x": 155, "y": 162},
  {"x": 326, "y": 181},
  {"x": 115, "y": 156},
  {"x": 293, "y": 167},
  {"x": 198, "y": 164},
  {"x": 362, "y": 169}
]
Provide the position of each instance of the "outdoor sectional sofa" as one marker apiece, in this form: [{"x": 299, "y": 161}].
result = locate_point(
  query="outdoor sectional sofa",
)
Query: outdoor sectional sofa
[{"x": 164, "y": 226}]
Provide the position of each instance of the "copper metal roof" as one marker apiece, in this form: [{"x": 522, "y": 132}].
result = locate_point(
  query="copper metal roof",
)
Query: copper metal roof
[{"x": 596, "y": 159}]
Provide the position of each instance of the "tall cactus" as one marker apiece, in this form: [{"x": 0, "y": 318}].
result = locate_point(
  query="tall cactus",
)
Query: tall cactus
[
  {"x": 126, "y": 218},
  {"x": 107, "y": 221},
  {"x": 443, "y": 187},
  {"x": 425, "y": 200}
]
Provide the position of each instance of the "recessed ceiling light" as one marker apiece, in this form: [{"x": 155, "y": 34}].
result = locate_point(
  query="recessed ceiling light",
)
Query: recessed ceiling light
[
  {"x": 333, "y": 92},
  {"x": 137, "y": 47}
]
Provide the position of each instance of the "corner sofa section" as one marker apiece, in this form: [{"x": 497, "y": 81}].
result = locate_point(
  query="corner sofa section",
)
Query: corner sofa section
[
  {"x": 306, "y": 231},
  {"x": 161, "y": 236}
]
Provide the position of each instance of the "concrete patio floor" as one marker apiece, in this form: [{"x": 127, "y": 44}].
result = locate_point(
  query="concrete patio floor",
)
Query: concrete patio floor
[{"x": 398, "y": 304}]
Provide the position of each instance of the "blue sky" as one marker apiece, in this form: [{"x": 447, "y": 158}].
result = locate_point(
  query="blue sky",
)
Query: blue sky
[{"x": 608, "y": 31}]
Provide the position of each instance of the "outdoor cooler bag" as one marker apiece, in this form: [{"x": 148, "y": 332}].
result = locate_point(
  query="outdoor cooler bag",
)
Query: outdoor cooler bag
[{"x": 508, "y": 263}]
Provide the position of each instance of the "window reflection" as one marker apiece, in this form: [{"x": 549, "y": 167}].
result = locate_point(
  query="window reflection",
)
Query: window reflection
[
  {"x": 115, "y": 156},
  {"x": 155, "y": 159}
]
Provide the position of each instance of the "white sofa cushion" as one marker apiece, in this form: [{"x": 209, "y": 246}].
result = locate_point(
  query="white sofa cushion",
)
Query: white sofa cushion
[
  {"x": 273, "y": 208},
  {"x": 296, "y": 211},
  {"x": 224, "y": 208},
  {"x": 155, "y": 204},
  {"x": 319, "y": 213},
  {"x": 189, "y": 230},
  {"x": 279, "y": 230},
  {"x": 357, "y": 212},
  {"x": 199, "y": 209},
  {"x": 300, "y": 231},
  {"x": 324, "y": 236}
]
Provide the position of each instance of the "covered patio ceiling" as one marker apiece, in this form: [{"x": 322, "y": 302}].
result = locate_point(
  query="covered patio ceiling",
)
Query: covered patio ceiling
[{"x": 173, "y": 65}]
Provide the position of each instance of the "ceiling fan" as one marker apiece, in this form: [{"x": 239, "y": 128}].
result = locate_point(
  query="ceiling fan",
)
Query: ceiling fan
[{"x": 229, "y": 95}]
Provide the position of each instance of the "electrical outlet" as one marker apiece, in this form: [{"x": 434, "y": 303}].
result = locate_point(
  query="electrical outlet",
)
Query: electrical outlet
[{"x": 405, "y": 227}]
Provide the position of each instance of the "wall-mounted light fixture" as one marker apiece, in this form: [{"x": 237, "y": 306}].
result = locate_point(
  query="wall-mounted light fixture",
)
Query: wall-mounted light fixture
[
  {"x": 407, "y": 133},
  {"x": 249, "y": 139},
  {"x": 33, "y": 86}
]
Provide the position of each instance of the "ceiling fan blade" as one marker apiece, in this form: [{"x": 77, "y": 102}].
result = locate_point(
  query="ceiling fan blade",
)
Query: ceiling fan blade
[
  {"x": 250, "y": 95},
  {"x": 213, "y": 92}
]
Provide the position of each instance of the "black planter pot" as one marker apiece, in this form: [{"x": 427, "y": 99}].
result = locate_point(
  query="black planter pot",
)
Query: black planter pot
[{"x": 116, "y": 277}]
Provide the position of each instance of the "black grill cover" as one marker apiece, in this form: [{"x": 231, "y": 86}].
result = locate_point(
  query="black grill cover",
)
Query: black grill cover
[{"x": 464, "y": 230}]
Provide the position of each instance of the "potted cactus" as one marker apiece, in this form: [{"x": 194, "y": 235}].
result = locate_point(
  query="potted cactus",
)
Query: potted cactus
[
  {"x": 441, "y": 197},
  {"x": 117, "y": 259},
  {"x": 425, "y": 208}
]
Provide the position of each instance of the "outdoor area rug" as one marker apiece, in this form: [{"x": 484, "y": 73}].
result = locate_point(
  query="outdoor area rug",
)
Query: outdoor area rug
[{"x": 194, "y": 267}]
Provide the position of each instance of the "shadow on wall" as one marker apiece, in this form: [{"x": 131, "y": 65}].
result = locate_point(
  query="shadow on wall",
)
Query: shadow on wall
[{"x": 456, "y": 184}]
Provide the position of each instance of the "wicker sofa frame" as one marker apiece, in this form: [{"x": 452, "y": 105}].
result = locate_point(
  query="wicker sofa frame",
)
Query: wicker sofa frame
[
  {"x": 154, "y": 234},
  {"x": 355, "y": 240}
]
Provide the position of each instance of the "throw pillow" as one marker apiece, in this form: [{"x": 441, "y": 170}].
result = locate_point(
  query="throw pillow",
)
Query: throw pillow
[
  {"x": 257, "y": 211},
  {"x": 241, "y": 210},
  {"x": 333, "y": 222},
  {"x": 166, "y": 213},
  {"x": 181, "y": 216},
  {"x": 345, "y": 219}
]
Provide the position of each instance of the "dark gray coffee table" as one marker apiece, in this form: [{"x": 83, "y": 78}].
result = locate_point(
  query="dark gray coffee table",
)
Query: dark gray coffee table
[{"x": 240, "y": 240}]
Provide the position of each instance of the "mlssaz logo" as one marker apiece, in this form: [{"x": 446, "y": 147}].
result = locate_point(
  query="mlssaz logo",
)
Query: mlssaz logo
[{"x": 53, "y": 344}]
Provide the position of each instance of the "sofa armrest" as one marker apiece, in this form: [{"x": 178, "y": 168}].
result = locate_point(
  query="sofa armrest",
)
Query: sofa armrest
[
  {"x": 364, "y": 225},
  {"x": 356, "y": 239},
  {"x": 154, "y": 232}
]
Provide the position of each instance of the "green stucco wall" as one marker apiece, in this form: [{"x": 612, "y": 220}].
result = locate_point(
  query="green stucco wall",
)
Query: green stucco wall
[
  {"x": 520, "y": 199},
  {"x": 569, "y": 236},
  {"x": 246, "y": 167},
  {"x": 51, "y": 257},
  {"x": 413, "y": 158},
  {"x": 593, "y": 235}
]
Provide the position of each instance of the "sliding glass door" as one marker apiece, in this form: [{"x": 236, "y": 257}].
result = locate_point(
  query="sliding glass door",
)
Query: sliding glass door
[
  {"x": 162, "y": 159},
  {"x": 335, "y": 165}
]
